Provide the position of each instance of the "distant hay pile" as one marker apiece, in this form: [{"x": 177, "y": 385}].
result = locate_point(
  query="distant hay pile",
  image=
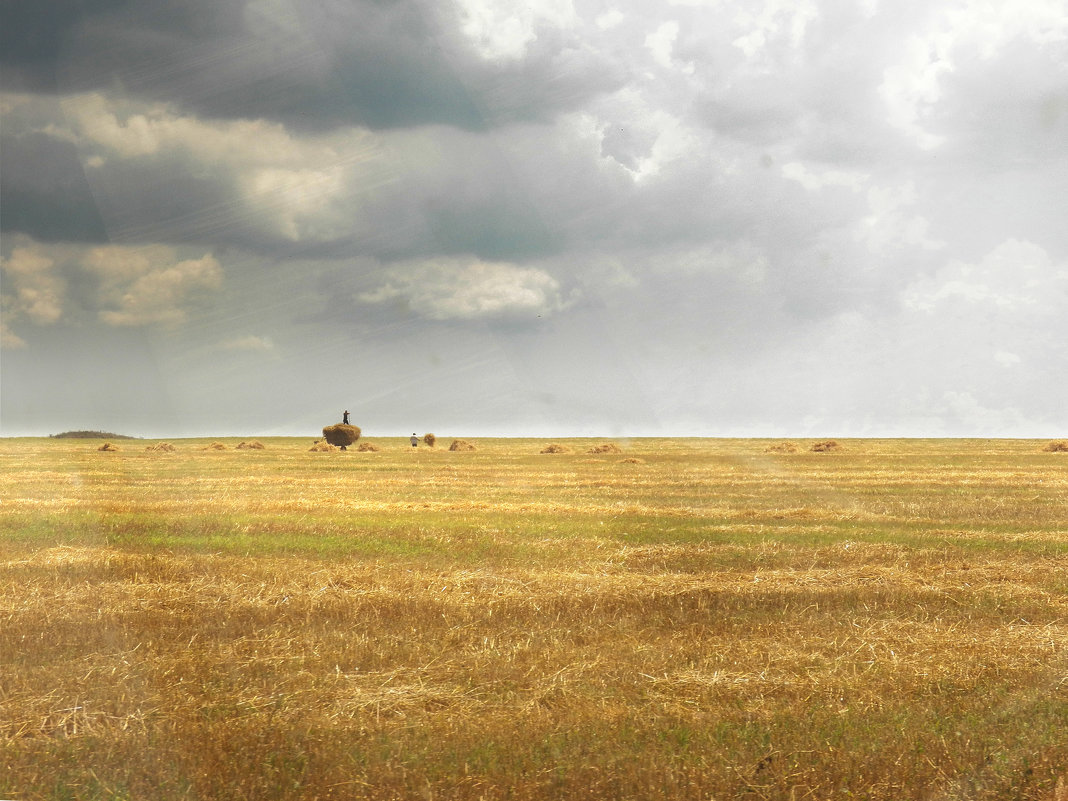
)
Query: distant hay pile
[
  {"x": 608, "y": 447},
  {"x": 321, "y": 447},
  {"x": 1057, "y": 446},
  {"x": 554, "y": 447},
  {"x": 254, "y": 445},
  {"x": 341, "y": 435},
  {"x": 107, "y": 446},
  {"x": 215, "y": 446},
  {"x": 461, "y": 445},
  {"x": 162, "y": 447},
  {"x": 368, "y": 447},
  {"x": 429, "y": 439},
  {"x": 781, "y": 447},
  {"x": 825, "y": 446},
  {"x": 633, "y": 460}
]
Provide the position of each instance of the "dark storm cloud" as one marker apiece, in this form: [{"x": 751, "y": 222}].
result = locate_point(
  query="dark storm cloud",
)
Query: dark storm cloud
[
  {"x": 311, "y": 65},
  {"x": 33, "y": 34},
  {"x": 44, "y": 191}
]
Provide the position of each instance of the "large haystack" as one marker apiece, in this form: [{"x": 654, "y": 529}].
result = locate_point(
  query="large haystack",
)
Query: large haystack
[
  {"x": 341, "y": 434},
  {"x": 254, "y": 445},
  {"x": 608, "y": 447},
  {"x": 554, "y": 447},
  {"x": 825, "y": 446},
  {"x": 162, "y": 447},
  {"x": 1057, "y": 446},
  {"x": 429, "y": 439},
  {"x": 461, "y": 445}
]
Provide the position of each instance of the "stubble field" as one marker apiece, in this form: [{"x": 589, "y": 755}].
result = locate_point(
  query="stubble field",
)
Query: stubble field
[{"x": 686, "y": 619}]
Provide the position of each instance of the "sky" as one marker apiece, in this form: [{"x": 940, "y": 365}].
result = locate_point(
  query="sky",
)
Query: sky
[{"x": 774, "y": 218}]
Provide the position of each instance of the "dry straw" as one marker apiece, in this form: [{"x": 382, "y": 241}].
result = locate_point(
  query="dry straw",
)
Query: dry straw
[
  {"x": 429, "y": 439},
  {"x": 366, "y": 447},
  {"x": 107, "y": 446},
  {"x": 1057, "y": 446},
  {"x": 215, "y": 446},
  {"x": 825, "y": 446},
  {"x": 254, "y": 445},
  {"x": 341, "y": 434},
  {"x": 608, "y": 447},
  {"x": 554, "y": 447},
  {"x": 781, "y": 447},
  {"x": 461, "y": 445},
  {"x": 162, "y": 447},
  {"x": 322, "y": 447}
]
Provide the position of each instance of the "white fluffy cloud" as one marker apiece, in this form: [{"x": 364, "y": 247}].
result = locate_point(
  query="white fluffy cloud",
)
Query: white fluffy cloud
[
  {"x": 460, "y": 289},
  {"x": 248, "y": 343},
  {"x": 504, "y": 29},
  {"x": 157, "y": 293},
  {"x": 36, "y": 292},
  {"x": 121, "y": 285}
]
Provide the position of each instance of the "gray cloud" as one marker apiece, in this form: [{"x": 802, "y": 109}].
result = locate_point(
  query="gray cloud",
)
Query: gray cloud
[{"x": 748, "y": 200}]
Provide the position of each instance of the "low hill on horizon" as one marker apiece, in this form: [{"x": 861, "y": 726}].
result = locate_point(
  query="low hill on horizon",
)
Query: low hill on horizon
[{"x": 89, "y": 435}]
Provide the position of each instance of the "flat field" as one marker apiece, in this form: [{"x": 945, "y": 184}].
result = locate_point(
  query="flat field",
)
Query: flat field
[{"x": 685, "y": 619}]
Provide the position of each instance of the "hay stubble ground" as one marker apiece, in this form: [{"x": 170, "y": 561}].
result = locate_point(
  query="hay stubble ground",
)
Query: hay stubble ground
[{"x": 686, "y": 619}]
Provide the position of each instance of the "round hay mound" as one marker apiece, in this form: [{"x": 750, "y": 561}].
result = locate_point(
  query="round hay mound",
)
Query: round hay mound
[
  {"x": 366, "y": 447},
  {"x": 162, "y": 447},
  {"x": 608, "y": 447},
  {"x": 1057, "y": 446},
  {"x": 255, "y": 445},
  {"x": 341, "y": 435},
  {"x": 461, "y": 445},
  {"x": 825, "y": 446},
  {"x": 781, "y": 447},
  {"x": 107, "y": 446},
  {"x": 633, "y": 460},
  {"x": 429, "y": 439},
  {"x": 554, "y": 447},
  {"x": 322, "y": 447}
]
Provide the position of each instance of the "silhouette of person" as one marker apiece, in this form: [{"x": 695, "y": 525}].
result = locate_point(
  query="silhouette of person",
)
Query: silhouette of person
[
  {"x": 415, "y": 441},
  {"x": 345, "y": 417}
]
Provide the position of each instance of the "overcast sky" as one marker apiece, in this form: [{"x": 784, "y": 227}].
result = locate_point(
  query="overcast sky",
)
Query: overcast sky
[{"x": 535, "y": 217}]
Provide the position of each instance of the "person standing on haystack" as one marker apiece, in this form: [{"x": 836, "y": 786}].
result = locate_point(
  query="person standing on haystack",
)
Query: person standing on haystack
[
  {"x": 345, "y": 417},
  {"x": 415, "y": 440}
]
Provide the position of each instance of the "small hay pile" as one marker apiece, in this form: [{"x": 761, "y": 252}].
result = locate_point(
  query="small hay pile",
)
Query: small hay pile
[
  {"x": 162, "y": 447},
  {"x": 461, "y": 445},
  {"x": 429, "y": 439},
  {"x": 341, "y": 435},
  {"x": 107, "y": 446},
  {"x": 781, "y": 447},
  {"x": 554, "y": 447},
  {"x": 633, "y": 460},
  {"x": 215, "y": 446},
  {"x": 825, "y": 446},
  {"x": 366, "y": 447},
  {"x": 608, "y": 447},
  {"x": 1057, "y": 446},
  {"x": 254, "y": 445},
  {"x": 322, "y": 447}
]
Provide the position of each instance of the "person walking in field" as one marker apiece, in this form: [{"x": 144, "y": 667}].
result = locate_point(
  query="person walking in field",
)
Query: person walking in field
[
  {"x": 345, "y": 417},
  {"x": 415, "y": 440}
]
